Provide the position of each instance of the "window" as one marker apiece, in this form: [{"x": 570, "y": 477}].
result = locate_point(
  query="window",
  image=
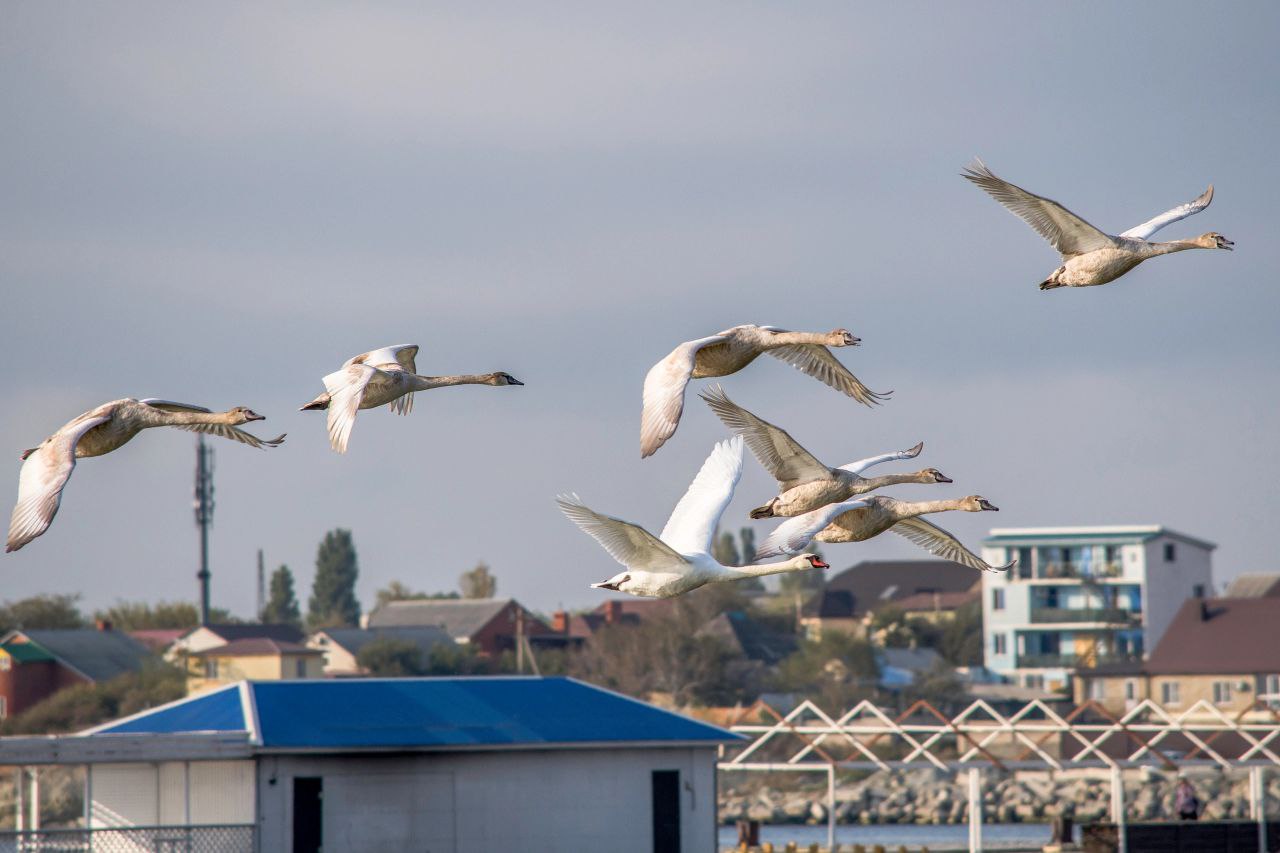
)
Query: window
[
  {"x": 1222, "y": 692},
  {"x": 1024, "y": 561},
  {"x": 1170, "y": 693},
  {"x": 1035, "y": 682},
  {"x": 1097, "y": 689},
  {"x": 300, "y": 668},
  {"x": 1197, "y": 591},
  {"x": 1130, "y": 690},
  {"x": 1271, "y": 690},
  {"x": 999, "y": 644},
  {"x": 997, "y": 599},
  {"x": 210, "y": 667},
  {"x": 1170, "y": 552}
]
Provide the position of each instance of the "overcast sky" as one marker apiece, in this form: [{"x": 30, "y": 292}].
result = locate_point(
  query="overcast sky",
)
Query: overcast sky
[{"x": 220, "y": 204}]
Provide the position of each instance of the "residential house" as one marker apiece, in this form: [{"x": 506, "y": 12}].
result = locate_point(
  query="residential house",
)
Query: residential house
[
  {"x": 490, "y": 625},
  {"x": 614, "y": 611},
  {"x": 204, "y": 637},
  {"x": 341, "y": 646},
  {"x": 157, "y": 639},
  {"x": 930, "y": 589},
  {"x": 1084, "y": 596},
  {"x": 257, "y": 658},
  {"x": 35, "y": 664},
  {"x": 1225, "y": 651},
  {"x": 750, "y": 638}
]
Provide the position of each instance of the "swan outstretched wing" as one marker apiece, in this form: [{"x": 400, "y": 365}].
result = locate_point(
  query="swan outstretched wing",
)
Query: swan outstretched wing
[
  {"x": 221, "y": 430},
  {"x": 779, "y": 453},
  {"x": 940, "y": 543},
  {"x": 818, "y": 362},
  {"x": 1182, "y": 211},
  {"x": 792, "y": 536},
  {"x": 694, "y": 520},
  {"x": 863, "y": 464},
  {"x": 664, "y": 394},
  {"x": 346, "y": 389},
  {"x": 44, "y": 474},
  {"x": 629, "y": 544},
  {"x": 1068, "y": 233}
]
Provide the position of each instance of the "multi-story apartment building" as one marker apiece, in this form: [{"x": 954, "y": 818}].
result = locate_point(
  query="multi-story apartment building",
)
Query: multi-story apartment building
[{"x": 1084, "y": 596}]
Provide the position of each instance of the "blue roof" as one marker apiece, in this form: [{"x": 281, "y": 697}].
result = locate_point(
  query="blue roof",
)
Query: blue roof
[{"x": 421, "y": 713}]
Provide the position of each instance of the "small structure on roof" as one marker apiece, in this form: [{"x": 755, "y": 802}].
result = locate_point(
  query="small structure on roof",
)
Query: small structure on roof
[
  {"x": 35, "y": 664},
  {"x": 440, "y": 764}
]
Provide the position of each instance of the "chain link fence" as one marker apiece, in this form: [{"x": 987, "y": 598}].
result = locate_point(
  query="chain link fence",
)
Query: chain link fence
[{"x": 237, "y": 838}]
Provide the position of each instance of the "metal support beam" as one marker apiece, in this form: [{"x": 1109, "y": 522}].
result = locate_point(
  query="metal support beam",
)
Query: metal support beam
[
  {"x": 20, "y": 822},
  {"x": 975, "y": 810},
  {"x": 35, "y": 798},
  {"x": 1258, "y": 805},
  {"x": 1117, "y": 808},
  {"x": 831, "y": 807}
]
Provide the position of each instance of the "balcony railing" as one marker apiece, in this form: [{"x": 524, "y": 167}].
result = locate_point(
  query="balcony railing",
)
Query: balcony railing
[
  {"x": 1072, "y": 569},
  {"x": 230, "y": 838},
  {"x": 1072, "y": 661},
  {"x": 1108, "y": 615}
]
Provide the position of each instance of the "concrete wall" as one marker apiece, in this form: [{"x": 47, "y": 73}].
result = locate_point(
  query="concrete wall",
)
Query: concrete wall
[
  {"x": 528, "y": 801},
  {"x": 1169, "y": 584}
]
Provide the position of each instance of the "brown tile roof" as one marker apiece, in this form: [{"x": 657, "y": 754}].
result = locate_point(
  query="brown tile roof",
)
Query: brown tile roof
[
  {"x": 935, "y": 600},
  {"x": 1220, "y": 636},
  {"x": 1253, "y": 586}
]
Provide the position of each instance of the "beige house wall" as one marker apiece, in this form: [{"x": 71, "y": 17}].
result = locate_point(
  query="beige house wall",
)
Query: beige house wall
[{"x": 230, "y": 668}]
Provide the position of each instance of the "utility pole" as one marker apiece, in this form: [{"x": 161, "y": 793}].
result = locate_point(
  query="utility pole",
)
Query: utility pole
[
  {"x": 262, "y": 586},
  {"x": 204, "y": 518}
]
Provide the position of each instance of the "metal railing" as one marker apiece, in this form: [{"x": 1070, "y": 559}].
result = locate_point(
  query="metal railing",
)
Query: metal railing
[
  {"x": 1109, "y": 615},
  {"x": 1072, "y": 661},
  {"x": 1072, "y": 569},
  {"x": 222, "y": 838}
]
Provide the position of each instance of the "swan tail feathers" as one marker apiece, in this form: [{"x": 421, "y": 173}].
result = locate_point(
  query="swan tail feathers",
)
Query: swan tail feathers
[{"x": 318, "y": 404}]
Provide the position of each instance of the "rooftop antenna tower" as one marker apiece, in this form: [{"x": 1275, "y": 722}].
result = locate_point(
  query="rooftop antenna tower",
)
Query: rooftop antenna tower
[{"x": 204, "y": 518}]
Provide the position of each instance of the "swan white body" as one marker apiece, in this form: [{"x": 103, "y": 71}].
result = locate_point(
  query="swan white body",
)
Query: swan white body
[
  {"x": 381, "y": 377},
  {"x": 730, "y": 351},
  {"x": 1090, "y": 256},
  {"x": 47, "y": 468},
  {"x": 679, "y": 560},
  {"x": 859, "y": 520},
  {"x": 804, "y": 483}
]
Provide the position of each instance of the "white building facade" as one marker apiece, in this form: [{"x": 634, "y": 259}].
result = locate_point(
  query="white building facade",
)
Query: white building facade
[{"x": 1084, "y": 596}]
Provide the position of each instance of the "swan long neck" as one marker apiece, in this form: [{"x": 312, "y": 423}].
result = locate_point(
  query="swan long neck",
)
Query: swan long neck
[
  {"x": 789, "y": 338},
  {"x": 870, "y": 483},
  {"x": 193, "y": 418},
  {"x": 1172, "y": 246},
  {"x": 910, "y": 509},
  {"x": 741, "y": 572},
  {"x": 426, "y": 383}
]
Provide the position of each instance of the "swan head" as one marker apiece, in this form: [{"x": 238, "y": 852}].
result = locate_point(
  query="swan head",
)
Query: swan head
[
  {"x": 243, "y": 414},
  {"x": 501, "y": 378},
  {"x": 614, "y": 583},
  {"x": 844, "y": 338},
  {"x": 804, "y": 562},
  {"x": 977, "y": 503},
  {"x": 1214, "y": 240},
  {"x": 933, "y": 475}
]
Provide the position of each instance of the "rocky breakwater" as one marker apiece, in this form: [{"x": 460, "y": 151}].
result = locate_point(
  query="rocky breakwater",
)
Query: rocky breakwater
[{"x": 930, "y": 796}]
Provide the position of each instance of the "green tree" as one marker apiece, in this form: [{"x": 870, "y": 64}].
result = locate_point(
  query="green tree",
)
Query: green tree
[
  {"x": 747, "y": 536},
  {"x": 891, "y": 628},
  {"x": 387, "y": 657},
  {"x": 48, "y": 610},
  {"x": 961, "y": 640},
  {"x": 836, "y": 671},
  {"x": 141, "y": 615},
  {"x": 478, "y": 583},
  {"x": 282, "y": 605},
  {"x": 333, "y": 592},
  {"x": 725, "y": 550}
]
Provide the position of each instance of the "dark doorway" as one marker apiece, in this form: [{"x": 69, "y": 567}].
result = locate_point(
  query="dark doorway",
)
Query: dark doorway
[
  {"x": 308, "y": 796},
  {"x": 666, "y": 811}
]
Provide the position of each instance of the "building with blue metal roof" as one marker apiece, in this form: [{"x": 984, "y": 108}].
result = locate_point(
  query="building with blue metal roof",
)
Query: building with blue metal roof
[{"x": 439, "y": 764}]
